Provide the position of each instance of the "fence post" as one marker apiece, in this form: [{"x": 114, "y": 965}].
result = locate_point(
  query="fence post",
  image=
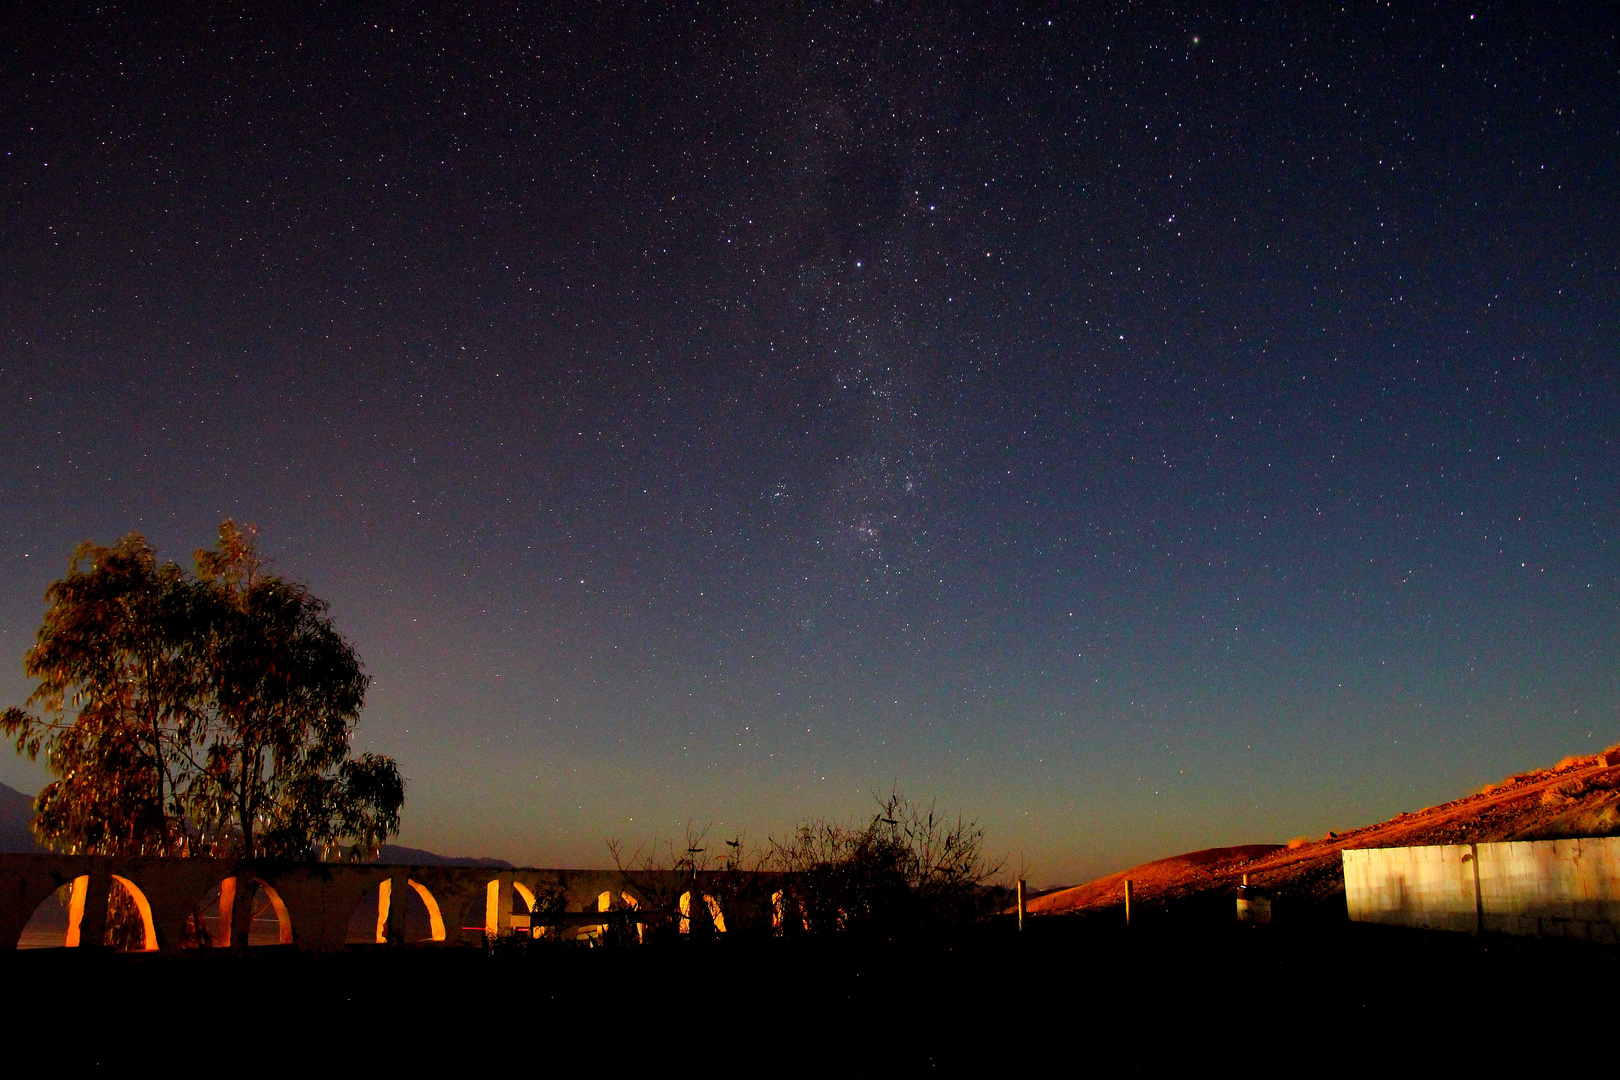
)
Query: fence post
[
  {"x": 1479, "y": 898},
  {"x": 1021, "y": 905},
  {"x": 1128, "y": 884}
]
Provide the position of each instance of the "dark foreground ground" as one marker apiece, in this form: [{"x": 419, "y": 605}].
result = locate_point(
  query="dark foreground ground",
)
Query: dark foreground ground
[{"x": 1069, "y": 994}]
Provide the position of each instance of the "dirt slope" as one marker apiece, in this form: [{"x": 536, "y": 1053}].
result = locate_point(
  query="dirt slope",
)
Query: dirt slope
[{"x": 1577, "y": 797}]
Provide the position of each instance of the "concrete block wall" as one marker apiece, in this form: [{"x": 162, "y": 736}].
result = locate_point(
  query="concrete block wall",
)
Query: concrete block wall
[
  {"x": 1552, "y": 888},
  {"x": 1427, "y": 887},
  {"x": 1541, "y": 888}
]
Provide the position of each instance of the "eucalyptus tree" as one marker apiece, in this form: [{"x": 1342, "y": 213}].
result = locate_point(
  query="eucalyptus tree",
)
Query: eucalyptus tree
[
  {"x": 206, "y": 713},
  {"x": 117, "y": 660},
  {"x": 284, "y": 693}
]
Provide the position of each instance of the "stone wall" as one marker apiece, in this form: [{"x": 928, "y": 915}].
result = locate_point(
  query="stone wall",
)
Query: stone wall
[
  {"x": 313, "y": 901},
  {"x": 1543, "y": 888}
]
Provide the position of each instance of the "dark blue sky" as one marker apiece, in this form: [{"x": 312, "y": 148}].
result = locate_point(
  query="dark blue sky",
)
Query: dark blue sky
[{"x": 1141, "y": 430}]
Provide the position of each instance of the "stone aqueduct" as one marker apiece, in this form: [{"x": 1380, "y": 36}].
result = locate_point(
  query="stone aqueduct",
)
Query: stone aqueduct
[{"x": 313, "y": 902}]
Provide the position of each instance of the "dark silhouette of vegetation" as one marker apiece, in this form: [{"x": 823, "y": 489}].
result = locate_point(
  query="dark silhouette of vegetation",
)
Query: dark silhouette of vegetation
[
  {"x": 658, "y": 877},
  {"x": 205, "y": 713},
  {"x": 908, "y": 871}
]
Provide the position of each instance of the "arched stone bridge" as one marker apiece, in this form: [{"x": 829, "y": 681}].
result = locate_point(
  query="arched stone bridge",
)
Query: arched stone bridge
[{"x": 314, "y": 902}]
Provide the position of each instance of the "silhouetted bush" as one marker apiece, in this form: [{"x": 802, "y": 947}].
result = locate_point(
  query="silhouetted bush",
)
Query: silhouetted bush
[{"x": 909, "y": 871}]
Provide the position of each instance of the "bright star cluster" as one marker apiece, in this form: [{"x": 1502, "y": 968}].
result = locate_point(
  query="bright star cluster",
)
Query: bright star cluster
[{"x": 1139, "y": 432}]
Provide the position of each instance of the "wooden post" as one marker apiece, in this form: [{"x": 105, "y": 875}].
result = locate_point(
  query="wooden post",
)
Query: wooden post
[
  {"x": 1128, "y": 884},
  {"x": 1021, "y": 905}
]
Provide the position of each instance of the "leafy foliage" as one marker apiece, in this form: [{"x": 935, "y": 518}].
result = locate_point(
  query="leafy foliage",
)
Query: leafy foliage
[
  {"x": 205, "y": 713},
  {"x": 285, "y": 690},
  {"x": 117, "y": 664}
]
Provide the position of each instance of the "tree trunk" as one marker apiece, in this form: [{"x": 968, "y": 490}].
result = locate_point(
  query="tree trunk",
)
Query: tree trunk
[{"x": 242, "y": 910}]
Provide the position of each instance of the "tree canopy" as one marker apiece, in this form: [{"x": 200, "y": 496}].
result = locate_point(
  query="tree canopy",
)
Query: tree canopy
[{"x": 198, "y": 713}]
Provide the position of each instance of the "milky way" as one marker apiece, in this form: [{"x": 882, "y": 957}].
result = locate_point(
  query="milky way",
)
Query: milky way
[{"x": 1140, "y": 431}]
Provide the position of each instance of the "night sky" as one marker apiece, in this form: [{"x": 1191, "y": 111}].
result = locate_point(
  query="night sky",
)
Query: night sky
[{"x": 1139, "y": 429}]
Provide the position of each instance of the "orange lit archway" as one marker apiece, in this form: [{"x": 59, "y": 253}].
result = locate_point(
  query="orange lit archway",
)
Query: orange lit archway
[
  {"x": 227, "y": 901},
  {"x": 81, "y": 893}
]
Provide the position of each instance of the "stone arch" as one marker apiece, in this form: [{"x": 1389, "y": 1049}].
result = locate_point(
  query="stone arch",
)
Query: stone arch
[
  {"x": 368, "y": 919},
  {"x": 633, "y": 904},
  {"x": 79, "y": 896},
  {"x": 518, "y": 920},
  {"x": 227, "y": 896},
  {"x": 418, "y": 918},
  {"x": 716, "y": 914},
  {"x": 435, "y": 916},
  {"x": 143, "y": 907},
  {"x": 53, "y": 917},
  {"x": 711, "y": 908},
  {"x": 81, "y": 893},
  {"x": 523, "y": 920},
  {"x": 212, "y": 915}
]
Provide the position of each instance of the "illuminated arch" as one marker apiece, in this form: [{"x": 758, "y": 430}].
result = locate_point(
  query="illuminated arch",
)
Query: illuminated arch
[
  {"x": 716, "y": 914},
  {"x": 284, "y": 927},
  {"x": 633, "y": 904},
  {"x": 435, "y": 918},
  {"x": 385, "y": 900},
  {"x": 710, "y": 903},
  {"x": 81, "y": 891},
  {"x": 227, "y": 901},
  {"x": 150, "y": 942},
  {"x": 48, "y": 924},
  {"x": 492, "y": 907}
]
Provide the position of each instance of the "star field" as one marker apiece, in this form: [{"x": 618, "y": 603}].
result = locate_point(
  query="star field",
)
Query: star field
[{"x": 1142, "y": 429}]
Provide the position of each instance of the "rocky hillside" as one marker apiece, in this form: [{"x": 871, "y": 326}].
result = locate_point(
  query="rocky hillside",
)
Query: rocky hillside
[{"x": 1580, "y": 796}]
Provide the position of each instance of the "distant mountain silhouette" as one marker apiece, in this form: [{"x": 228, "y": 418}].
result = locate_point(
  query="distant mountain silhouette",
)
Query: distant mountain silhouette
[
  {"x": 16, "y": 812},
  {"x": 410, "y": 856}
]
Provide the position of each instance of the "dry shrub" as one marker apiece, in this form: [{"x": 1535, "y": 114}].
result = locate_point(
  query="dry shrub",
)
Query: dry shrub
[
  {"x": 909, "y": 870},
  {"x": 1298, "y": 842}
]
